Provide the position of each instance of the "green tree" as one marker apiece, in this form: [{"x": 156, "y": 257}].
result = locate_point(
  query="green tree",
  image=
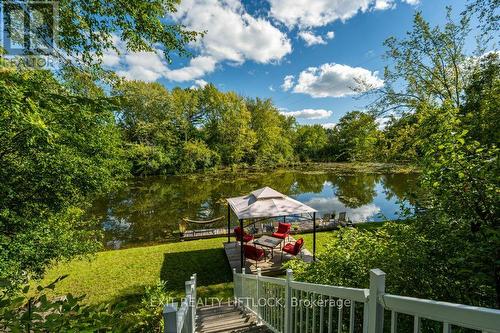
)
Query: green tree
[
  {"x": 195, "y": 156},
  {"x": 88, "y": 28},
  {"x": 189, "y": 112},
  {"x": 311, "y": 142},
  {"x": 427, "y": 67},
  {"x": 397, "y": 141},
  {"x": 59, "y": 148},
  {"x": 227, "y": 129},
  {"x": 356, "y": 135},
  {"x": 481, "y": 102},
  {"x": 151, "y": 126},
  {"x": 273, "y": 144}
]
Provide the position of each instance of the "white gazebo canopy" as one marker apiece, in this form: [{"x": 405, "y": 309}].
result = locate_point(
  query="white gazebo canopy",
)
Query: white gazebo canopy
[{"x": 266, "y": 202}]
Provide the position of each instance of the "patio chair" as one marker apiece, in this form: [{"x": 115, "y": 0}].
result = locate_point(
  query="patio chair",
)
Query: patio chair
[
  {"x": 283, "y": 230},
  {"x": 342, "y": 219},
  {"x": 239, "y": 234},
  {"x": 293, "y": 249},
  {"x": 253, "y": 253},
  {"x": 325, "y": 219}
]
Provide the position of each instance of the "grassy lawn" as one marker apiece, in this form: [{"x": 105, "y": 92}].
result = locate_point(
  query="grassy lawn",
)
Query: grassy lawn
[{"x": 123, "y": 274}]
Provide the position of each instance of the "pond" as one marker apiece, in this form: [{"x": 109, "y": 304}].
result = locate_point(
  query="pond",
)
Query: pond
[{"x": 149, "y": 210}]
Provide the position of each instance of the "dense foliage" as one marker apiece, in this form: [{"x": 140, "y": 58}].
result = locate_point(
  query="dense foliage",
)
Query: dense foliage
[
  {"x": 35, "y": 311},
  {"x": 448, "y": 124},
  {"x": 188, "y": 130},
  {"x": 59, "y": 147}
]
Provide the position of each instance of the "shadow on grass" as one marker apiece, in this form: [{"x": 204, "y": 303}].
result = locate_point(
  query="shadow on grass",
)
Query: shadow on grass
[{"x": 210, "y": 265}]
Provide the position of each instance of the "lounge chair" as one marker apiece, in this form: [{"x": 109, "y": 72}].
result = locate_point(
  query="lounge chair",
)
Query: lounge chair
[
  {"x": 239, "y": 234},
  {"x": 293, "y": 248},
  {"x": 253, "y": 253},
  {"x": 283, "y": 230}
]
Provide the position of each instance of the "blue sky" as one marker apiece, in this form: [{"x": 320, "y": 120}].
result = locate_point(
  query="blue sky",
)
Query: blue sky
[{"x": 321, "y": 45}]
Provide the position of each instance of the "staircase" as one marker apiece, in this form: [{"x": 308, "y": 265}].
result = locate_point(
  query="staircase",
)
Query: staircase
[{"x": 225, "y": 319}]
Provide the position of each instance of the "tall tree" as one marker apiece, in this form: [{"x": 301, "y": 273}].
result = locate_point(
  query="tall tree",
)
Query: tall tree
[
  {"x": 59, "y": 148},
  {"x": 227, "y": 128},
  {"x": 356, "y": 135},
  {"x": 311, "y": 142},
  {"x": 273, "y": 144},
  {"x": 151, "y": 126},
  {"x": 429, "y": 66}
]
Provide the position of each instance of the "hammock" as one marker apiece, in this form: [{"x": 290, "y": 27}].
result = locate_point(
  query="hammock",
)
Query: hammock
[{"x": 203, "y": 222}]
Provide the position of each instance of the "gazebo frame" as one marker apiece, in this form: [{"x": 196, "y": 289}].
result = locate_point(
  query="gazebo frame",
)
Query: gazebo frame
[{"x": 262, "y": 196}]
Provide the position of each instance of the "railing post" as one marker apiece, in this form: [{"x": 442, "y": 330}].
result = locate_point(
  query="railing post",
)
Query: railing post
[
  {"x": 236, "y": 288},
  {"x": 377, "y": 288},
  {"x": 288, "y": 301},
  {"x": 193, "y": 302},
  {"x": 189, "y": 315},
  {"x": 258, "y": 293},
  {"x": 170, "y": 318},
  {"x": 242, "y": 295}
]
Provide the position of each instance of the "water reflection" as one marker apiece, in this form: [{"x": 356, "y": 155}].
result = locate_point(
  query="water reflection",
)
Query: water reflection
[{"x": 149, "y": 209}]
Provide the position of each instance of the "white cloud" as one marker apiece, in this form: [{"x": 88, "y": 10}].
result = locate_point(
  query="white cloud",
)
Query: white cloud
[
  {"x": 310, "y": 38},
  {"x": 271, "y": 88},
  {"x": 309, "y": 113},
  {"x": 336, "y": 80},
  {"x": 384, "y": 4},
  {"x": 198, "y": 67},
  {"x": 144, "y": 66},
  {"x": 199, "y": 84},
  {"x": 329, "y": 125},
  {"x": 232, "y": 35},
  {"x": 288, "y": 82},
  {"x": 330, "y": 34},
  {"x": 316, "y": 13},
  {"x": 382, "y": 122}
]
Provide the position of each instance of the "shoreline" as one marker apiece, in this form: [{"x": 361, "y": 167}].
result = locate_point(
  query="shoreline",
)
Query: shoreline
[{"x": 340, "y": 168}]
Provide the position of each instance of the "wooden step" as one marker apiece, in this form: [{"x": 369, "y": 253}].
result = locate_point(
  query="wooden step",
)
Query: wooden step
[{"x": 226, "y": 319}]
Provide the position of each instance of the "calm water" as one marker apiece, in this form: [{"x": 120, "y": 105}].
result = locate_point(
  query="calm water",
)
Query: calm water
[{"x": 149, "y": 210}]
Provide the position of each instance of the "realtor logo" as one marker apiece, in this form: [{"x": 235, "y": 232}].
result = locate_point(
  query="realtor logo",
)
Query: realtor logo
[{"x": 28, "y": 28}]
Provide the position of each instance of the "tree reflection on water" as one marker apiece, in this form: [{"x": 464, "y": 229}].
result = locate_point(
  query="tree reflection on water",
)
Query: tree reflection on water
[{"x": 149, "y": 210}]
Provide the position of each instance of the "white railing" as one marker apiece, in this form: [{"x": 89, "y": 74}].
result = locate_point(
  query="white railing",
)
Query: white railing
[
  {"x": 288, "y": 306},
  {"x": 182, "y": 319}
]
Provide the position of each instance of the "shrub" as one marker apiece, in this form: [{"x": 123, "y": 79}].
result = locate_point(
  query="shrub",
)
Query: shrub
[
  {"x": 431, "y": 257},
  {"x": 33, "y": 311}
]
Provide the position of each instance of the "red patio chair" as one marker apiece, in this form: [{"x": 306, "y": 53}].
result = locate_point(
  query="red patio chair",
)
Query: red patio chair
[
  {"x": 293, "y": 249},
  {"x": 239, "y": 234},
  {"x": 254, "y": 253},
  {"x": 283, "y": 230}
]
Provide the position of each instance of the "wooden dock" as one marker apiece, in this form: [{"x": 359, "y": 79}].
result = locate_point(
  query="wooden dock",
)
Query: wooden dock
[
  {"x": 204, "y": 233},
  {"x": 303, "y": 228},
  {"x": 271, "y": 266}
]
